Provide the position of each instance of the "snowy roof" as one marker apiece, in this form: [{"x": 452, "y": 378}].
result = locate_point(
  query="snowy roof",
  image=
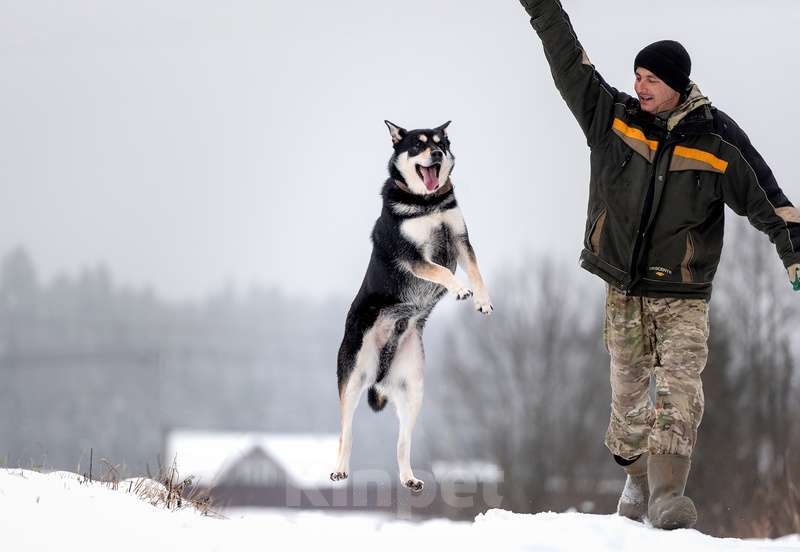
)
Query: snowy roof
[
  {"x": 474, "y": 470},
  {"x": 306, "y": 458}
]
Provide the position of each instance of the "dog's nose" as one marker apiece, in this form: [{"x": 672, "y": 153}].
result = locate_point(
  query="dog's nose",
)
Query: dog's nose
[{"x": 437, "y": 155}]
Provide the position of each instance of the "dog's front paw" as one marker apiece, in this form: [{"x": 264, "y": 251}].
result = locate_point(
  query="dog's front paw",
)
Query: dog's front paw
[
  {"x": 482, "y": 303},
  {"x": 463, "y": 293},
  {"x": 338, "y": 476},
  {"x": 414, "y": 485}
]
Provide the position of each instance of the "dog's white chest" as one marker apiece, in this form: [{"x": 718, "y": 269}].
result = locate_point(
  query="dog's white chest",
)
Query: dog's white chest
[{"x": 420, "y": 230}]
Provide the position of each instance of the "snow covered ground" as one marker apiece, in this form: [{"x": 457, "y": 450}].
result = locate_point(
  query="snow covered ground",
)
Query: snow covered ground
[{"x": 59, "y": 512}]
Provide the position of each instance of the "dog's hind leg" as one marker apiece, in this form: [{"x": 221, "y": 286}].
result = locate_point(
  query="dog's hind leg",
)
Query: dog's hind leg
[
  {"x": 405, "y": 382},
  {"x": 348, "y": 403},
  {"x": 353, "y": 380}
]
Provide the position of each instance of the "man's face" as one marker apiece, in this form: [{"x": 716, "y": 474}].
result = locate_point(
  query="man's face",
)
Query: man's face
[{"x": 654, "y": 94}]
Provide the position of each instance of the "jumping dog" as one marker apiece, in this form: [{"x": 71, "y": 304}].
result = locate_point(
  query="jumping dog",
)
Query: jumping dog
[{"x": 418, "y": 241}]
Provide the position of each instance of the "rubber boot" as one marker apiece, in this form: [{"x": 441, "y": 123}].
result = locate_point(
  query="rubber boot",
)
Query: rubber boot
[
  {"x": 668, "y": 508},
  {"x": 633, "y": 501}
]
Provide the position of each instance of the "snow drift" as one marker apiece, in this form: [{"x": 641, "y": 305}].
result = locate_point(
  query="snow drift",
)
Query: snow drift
[{"x": 62, "y": 511}]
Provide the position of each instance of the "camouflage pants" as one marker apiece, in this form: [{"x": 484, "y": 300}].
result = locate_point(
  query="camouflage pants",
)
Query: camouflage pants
[{"x": 665, "y": 339}]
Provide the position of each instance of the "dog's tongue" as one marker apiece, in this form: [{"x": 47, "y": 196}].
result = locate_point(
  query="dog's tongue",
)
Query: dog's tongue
[{"x": 429, "y": 177}]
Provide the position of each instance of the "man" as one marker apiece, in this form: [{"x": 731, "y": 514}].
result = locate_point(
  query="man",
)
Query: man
[{"x": 663, "y": 165}]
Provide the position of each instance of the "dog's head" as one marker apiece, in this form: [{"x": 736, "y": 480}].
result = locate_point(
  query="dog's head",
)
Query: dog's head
[{"x": 422, "y": 158}]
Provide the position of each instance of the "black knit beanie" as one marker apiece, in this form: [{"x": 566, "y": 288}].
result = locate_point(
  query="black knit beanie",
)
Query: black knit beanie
[{"x": 669, "y": 61}]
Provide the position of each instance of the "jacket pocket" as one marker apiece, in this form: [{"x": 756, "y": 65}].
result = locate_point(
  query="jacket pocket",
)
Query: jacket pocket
[
  {"x": 596, "y": 231},
  {"x": 691, "y": 195},
  {"x": 687, "y": 271}
]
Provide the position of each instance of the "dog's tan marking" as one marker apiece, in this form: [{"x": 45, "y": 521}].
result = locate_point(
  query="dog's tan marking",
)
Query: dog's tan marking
[
  {"x": 468, "y": 260},
  {"x": 435, "y": 273},
  {"x": 423, "y": 138},
  {"x": 437, "y": 138},
  {"x": 470, "y": 264}
]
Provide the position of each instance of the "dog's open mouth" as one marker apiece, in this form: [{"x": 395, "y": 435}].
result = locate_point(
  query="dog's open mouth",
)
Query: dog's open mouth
[{"x": 430, "y": 175}]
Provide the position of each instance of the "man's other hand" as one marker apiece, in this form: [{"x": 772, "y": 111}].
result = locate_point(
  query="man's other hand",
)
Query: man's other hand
[{"x": 794, "y": 276}]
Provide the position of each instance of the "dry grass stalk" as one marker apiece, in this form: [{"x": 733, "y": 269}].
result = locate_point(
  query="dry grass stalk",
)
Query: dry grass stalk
[{"x": 167, "y": 489}]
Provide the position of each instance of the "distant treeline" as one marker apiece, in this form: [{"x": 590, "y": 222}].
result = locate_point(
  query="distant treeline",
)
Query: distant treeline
[{"x": 88, "y": 364}]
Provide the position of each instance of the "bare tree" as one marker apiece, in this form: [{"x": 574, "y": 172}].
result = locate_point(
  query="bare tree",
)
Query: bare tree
[{"x": 528, "y": 389}]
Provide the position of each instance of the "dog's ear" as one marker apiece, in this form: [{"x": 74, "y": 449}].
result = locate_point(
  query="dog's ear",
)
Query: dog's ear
[
  {"x": 443, "y": 128},
  {"x": 398, "y": 133}
]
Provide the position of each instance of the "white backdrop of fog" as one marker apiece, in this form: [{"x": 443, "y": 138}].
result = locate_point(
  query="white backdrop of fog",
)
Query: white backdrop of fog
[{"x": 190, "y": 144}]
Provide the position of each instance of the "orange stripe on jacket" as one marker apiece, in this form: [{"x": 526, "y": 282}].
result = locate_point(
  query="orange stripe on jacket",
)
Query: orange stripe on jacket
[
  {"x": 699, "y": 155},
  {"x": 634, "y": 133}
]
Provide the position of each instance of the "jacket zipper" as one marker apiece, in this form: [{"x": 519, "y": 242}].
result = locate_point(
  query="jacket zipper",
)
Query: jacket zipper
[
  {"x": 627, "y": 159},
  {"x": 633, "y": 268}
]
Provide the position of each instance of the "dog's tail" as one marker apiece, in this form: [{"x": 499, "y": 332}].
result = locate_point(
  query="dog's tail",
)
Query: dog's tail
[{"x": 376, "y": 401}]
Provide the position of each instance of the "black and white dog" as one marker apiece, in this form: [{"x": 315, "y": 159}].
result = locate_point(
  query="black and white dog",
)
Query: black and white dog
[{"x": 418, "y": 240}]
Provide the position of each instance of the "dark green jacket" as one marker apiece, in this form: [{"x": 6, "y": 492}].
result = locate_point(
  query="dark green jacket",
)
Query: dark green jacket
[{"x": 658, "y": 188}]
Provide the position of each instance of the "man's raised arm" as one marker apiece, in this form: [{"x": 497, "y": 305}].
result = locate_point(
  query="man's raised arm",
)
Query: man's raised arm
[{"x": 588, "y": 96}]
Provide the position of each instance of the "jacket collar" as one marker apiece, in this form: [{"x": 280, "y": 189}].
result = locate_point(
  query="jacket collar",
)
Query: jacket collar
[{"x": 694, "y": 101}]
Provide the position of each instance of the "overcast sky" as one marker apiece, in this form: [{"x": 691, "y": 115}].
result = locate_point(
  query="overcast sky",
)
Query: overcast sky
[{"x": 189, "y": 144}]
